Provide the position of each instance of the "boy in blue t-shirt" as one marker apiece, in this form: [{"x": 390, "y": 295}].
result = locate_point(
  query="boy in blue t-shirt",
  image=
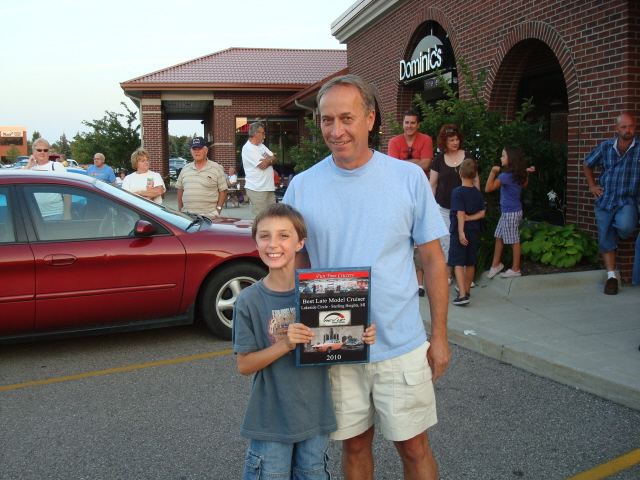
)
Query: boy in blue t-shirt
[
  {"x": 290, "y": 410},
  {"x": 467, "y": 208}
]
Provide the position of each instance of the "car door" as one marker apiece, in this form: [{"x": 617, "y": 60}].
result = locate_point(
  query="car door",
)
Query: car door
[
  {"x": 17, "y": 276},
  {"x": 90, "y": 269}
]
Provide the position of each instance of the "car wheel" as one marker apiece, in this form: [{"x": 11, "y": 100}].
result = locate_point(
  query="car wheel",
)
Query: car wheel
[
  {"x": 220, "y": 294},
  {"x": 329, "y": 350}
]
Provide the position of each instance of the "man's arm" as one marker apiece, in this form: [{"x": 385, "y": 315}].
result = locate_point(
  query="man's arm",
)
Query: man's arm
[
  {"x": 222, "y": 196},
  {"x": 435, "y": 271},
  {"x": 180, "y": 192},
  {"x": 588, "y": 173}
]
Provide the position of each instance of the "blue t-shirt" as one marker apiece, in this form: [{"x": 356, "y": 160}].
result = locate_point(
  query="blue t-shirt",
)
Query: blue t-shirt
[
  {"x": 469, "y": 200},
  {"x": 105, "y": 173},
  {"x": 287, "y": 404},
  {"x": 509, "y": 193},
  {"x": 372, "y": 216}
]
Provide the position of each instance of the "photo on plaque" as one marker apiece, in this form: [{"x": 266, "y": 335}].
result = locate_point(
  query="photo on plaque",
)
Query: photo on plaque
[{"x": 334, "y": 304}]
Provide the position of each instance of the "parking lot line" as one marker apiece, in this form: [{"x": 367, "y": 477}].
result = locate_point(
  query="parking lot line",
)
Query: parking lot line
[
  {"x": 114, "y": 370},
  {"x": 607, "y": 469}
]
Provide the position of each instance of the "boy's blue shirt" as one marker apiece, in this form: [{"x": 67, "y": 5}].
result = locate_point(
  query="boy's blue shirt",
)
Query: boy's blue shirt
[
  {"x": 287, "y": 403},
  {"x": 469, "y": 200}
]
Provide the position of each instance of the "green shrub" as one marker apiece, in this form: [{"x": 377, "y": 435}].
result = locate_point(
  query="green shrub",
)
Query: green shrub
[{"x": 559, "y": 246}]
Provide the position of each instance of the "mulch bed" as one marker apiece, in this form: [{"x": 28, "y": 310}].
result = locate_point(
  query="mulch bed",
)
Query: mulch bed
[{"x": 527, "y": 267}]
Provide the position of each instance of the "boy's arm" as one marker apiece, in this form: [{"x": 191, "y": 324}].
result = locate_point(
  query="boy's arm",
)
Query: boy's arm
[
  {"x": 250, "y": 363},
  {"x": 461, "y": 218},
  {"x": 475, "y": 216},
  {"x": 492, "y": 182}
]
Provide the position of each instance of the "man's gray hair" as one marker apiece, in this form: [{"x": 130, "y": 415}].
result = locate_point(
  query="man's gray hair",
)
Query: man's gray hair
[
  {"x": 366, "y": 92},
  {"x": 253, "y": 128},
  {"x": 100, "y": 155},
  {"x": 38, "y": 142}
]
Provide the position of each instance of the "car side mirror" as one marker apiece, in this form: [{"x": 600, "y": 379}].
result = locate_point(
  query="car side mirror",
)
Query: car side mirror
[{"x": 144, "y": 229}]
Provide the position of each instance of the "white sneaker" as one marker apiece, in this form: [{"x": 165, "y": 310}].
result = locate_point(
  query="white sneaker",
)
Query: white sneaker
[
  {"x": 494, "y": 271},
  {"x": 510, "y": 274}
]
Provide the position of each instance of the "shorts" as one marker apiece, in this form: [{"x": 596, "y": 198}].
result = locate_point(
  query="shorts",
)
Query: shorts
[
  {"x": 399, "y": 389},
  {"x": 621, "y": 221},
  {"x": 463, "y": 255},
  {"x": 260, "y": 200},
  {"x": 307, "y": 459},
  {"x": 509, "y": 227},
  {"x": 417, "y": 259}
]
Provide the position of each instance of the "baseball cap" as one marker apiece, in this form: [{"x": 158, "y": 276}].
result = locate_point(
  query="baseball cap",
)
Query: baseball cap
[{"x": 197, "y": 142}]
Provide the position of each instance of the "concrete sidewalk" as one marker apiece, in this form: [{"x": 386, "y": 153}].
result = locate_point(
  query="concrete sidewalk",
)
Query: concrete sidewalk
[{"x": 558, "y": 326}]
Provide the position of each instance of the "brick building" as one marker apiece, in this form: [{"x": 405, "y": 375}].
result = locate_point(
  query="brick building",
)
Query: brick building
[
  {"x": 580, "y": 60},
  {"x": 13, "y": 137},
  {"x": 227, "y": 91}
]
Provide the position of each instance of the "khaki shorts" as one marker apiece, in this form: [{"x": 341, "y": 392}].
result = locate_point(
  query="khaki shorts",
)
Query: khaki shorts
[
  {"x": 399, "y": 389},
  {"x": 260, "y": 200}
]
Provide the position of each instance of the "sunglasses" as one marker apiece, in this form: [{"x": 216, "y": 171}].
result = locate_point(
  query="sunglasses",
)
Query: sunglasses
[
  {"x": 42, "y": 150},
  {"x": 449, "y": 131},
  {"x": 409, "y": 157}
]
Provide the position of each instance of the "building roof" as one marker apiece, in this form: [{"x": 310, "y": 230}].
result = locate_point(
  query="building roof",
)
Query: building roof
[{"x": 246, "y": 67}]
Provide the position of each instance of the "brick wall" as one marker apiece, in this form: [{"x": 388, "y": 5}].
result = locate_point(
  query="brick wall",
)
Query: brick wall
[{"x": 596, "y": 45}]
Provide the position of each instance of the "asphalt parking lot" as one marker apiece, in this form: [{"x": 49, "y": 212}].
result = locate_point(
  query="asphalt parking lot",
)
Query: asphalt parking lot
[{"x": 168, "y": 403}]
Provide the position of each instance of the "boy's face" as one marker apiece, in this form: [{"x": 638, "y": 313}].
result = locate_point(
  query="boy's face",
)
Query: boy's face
[{"x": 277, "y": 242}]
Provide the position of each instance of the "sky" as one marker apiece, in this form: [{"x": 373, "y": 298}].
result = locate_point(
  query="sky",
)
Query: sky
[{"x": 62, "y": 61}]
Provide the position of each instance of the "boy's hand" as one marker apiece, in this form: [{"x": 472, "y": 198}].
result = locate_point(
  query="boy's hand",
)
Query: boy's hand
[
  {"x": 369, "y": 335},
  {"x": 531, "y": 169},
  {"x": 463, "y": 239},
  {"x": 298, "y": 333},
  {"x": 495, "y": 169}
]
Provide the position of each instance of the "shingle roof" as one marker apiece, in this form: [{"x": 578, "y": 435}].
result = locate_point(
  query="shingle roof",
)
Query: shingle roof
[{"x": 252, "y": 65}]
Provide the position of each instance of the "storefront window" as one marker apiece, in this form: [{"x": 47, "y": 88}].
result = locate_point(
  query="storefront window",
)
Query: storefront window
[{"x": 282, "y": 134}]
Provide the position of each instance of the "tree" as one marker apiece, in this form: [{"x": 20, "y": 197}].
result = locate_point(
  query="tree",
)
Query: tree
[
  {"x": 12, "y": 154},
  {"x": 34, "y": 136},
  {"x": 311, "y": 150},
  {"x": 114, "y": 135},
  {"x": 63, "y": 146}
]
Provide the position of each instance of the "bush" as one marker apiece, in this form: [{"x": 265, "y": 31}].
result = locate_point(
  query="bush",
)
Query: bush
[
  {"x": 558, "y": 246},
  {"x": 312, "y": 150}
]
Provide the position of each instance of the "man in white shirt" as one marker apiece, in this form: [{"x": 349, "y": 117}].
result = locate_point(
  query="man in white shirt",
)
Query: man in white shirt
[{"x": 258, "y": 162}]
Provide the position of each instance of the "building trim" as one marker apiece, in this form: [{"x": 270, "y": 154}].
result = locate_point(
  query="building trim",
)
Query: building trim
[{"x": 362, "y": 15}]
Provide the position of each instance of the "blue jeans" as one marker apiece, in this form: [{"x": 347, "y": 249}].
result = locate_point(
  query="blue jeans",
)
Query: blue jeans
[
  {"x": 305, "y": 460},
  {"x": 611, "y": 224}
]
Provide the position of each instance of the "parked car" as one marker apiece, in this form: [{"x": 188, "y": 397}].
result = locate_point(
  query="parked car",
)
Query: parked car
[
  {"x": 352, "y": 344},
  {"x": 119, "y": 263},
  {"x": 175, "y": 166},
  {"x": 21, "y": 163},
  {"x": 328, "y": 346},
  {"x": 72, "y": 163}
]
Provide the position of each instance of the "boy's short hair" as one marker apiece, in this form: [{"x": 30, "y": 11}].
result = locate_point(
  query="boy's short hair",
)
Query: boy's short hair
[
  {"x": 281, "y": 210},
  {"x": 468, "y": 168}
]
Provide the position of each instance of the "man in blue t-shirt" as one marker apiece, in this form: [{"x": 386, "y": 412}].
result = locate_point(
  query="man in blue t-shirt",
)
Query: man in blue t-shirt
[
  {"x": 351, "y": 223},
  {"x": 100, "y": 170}
]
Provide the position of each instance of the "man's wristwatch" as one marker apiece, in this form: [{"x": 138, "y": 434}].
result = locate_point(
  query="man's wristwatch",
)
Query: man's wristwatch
[{"x": 218, "y": 208}]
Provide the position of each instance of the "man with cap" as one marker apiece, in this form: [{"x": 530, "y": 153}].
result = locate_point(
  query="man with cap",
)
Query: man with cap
[
  {"x": 202, "y": 188},
  {"x": 258, "y": 162}
]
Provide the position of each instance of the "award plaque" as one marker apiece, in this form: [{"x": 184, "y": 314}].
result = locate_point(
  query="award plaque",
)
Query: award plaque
[{"x": 334, "y": 304}]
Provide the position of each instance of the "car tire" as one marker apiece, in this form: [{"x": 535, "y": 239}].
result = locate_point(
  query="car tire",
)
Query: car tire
[{"x": 220, "y": 293}]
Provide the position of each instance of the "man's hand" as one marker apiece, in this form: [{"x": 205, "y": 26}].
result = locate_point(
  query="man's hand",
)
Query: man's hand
[
  {"x": 438, "y": 356},
  {"x": 596, "y": 190}
]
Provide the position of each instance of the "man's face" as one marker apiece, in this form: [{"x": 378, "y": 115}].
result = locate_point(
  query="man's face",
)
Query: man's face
[
  {"x": 410, "y": 125},
  {"x": 199, "y": 154},
  {"x": 42, "y": 156},
  {"x": 625, "y": 127},
  {"x": 232, "y": 171},
  {"x": 98, "y": 160},
  {"x": 346, "y": 126},
  {"x": 259, "y": 136}
]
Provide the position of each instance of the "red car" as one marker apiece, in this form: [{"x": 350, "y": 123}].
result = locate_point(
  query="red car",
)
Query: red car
[
  {"x": 327, "y": 346},
  {"x": 81, "y": 256}
]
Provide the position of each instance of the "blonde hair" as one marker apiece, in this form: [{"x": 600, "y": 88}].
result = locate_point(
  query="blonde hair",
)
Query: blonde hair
[{"x": 137, "y": 155}]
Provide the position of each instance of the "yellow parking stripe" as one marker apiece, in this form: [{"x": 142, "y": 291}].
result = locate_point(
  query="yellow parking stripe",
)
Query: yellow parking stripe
[
  {"x": 114, "y": 370},
  {"x": 607, "y": 469}
]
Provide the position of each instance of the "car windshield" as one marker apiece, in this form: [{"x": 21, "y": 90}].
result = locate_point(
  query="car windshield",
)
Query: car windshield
[{"x": 181, "y": 220}]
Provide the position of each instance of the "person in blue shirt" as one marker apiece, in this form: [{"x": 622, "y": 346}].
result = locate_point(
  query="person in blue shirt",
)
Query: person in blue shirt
[
  {"x": 510, "y": 183},
  {"x": 100, "y": 170},
  {"x": 467, "y": 208},
  {"x": 290, "y": 411},
  {"x": 617, "y": 195}
]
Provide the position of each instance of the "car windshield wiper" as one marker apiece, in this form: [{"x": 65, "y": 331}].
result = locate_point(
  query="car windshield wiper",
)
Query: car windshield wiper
[{"x": 197, "y": 219}]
